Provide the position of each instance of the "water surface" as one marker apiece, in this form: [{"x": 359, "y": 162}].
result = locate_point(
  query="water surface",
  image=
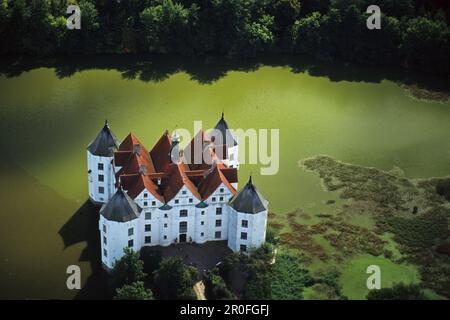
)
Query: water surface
[{"x": 46, "y": 122}]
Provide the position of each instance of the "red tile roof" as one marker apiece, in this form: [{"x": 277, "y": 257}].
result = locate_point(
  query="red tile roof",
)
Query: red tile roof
[{"x": 156, "y": 172}]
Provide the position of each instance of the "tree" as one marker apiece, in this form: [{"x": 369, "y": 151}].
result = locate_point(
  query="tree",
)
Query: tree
[
  {"x": 133, "y": 291},
  {"x": 426, "y": 44},
  {"x": 399, "y": 291},
  {"x": 166, "y": 27},
  {"x": 151, "y": 257},
  {"x": 128, "y": 269},
  {"x": 257, "y": 36},
  {"x": 216, "y": 288},
  {"x": 306, "y": 34},
  {"x": 175, "y": 280}
]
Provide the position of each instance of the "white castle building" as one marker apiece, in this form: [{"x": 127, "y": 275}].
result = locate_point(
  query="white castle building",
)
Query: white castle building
[{"x": 148, "y": 198}]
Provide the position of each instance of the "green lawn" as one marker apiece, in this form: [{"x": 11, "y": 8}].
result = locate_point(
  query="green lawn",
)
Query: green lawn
[{"x": 354, "y": 276}]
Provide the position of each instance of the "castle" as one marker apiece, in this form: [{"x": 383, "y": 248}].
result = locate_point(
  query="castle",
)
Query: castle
[{"x": 164, "y": 197}]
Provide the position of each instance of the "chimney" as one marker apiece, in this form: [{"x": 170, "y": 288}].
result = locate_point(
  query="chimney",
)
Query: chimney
[
  {"x": 137, "y": 149},
  {"x": 143, "y": 169}
]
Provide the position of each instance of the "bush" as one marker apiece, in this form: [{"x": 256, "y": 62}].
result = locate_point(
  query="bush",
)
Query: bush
[
  {"x": 133, "y": 291},
  {"x": 398, "y": 291}
]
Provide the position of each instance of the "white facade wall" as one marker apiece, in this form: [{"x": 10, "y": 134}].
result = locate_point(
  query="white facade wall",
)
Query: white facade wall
[
  {"x": 255, "y": 230},
  {"x": 164, "y": 227},
  {"x": 149, "y": 216},
  {"x": 117, "y": 238},
  {"x": 100, "y": 191},
  {"x": 233, "y": 157}
]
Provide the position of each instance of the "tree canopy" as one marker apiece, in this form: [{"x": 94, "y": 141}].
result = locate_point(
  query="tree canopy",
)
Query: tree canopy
[{"x": 414, "y": 33}]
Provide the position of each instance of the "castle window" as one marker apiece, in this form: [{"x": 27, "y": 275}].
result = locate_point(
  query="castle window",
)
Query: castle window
[
  {"x": 101, "y": 190},
  {"x": 165, "y": 225},
  {"x": 244, "y": 223},
  {"x": 183, "y": 213},
  {"x": 213, "y": 199},
  {"x": 165, "y": 215},
  {"x": 101, "y": 178},
  {"x": 219, "y": 210},
  {"x": 243, "y": 247},
  {"x": 105, "y": 253},
  {"x": 218, "y": 235},
  {"x": 145, "y": 203},
  {"x": 202, "y": 223},
  {"x": 148, "y": 227},
  {"x": 221, "y": 190},
  {"x": 202, "y": 234},
  {"x": 190, "y": 200},
  {"x": 130, "y": 231},
  {"x": 203, "y": 213},
  {"x": 148, "y": 216},
  {"x": 244, "y": 235},
  {"x": 148, "y": 239},
  {"x": 104, "y": 241},
  {"x": 153, "y": 203},
  {"x": 130, "y": 243},
  {"x": 104, "y": 228},
  {"x": 165, "y": 237},
  {"x": 218, "y": 223},
  {"x": 100, "y": 166},
  {"x": 177, "y": 201},
  {"x": 221, "y": 199},
  {"x": 183, "y": 226}
]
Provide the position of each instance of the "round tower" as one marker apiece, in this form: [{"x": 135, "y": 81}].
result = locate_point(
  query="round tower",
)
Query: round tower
[
  {"x": 247, "y": 221},
  {"x": 118, "y": 226},
  {"x": 100, "y": 160},
  {"x": 231, "y": 158}
]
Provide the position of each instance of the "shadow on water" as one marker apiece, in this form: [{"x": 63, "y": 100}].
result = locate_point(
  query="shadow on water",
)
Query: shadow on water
[
  {"x": 83, "y": 227},
  {"x": 208, "y": 69}
]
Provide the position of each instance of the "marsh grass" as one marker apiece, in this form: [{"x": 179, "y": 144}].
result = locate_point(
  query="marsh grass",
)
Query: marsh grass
[{"x": 388, "y": 217}]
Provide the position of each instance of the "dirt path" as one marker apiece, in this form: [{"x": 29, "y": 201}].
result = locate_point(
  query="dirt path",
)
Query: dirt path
[{"x": 199, "y": 289}]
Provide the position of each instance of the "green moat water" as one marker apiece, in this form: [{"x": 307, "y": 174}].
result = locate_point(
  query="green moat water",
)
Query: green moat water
[{"x": 46, "y": 123}]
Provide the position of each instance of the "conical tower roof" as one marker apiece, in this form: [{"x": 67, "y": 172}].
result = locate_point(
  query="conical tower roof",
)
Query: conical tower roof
[
  {"x": 227, "y": 137},
  {"x": 120, "y": 208},
  {"x": 105, "y": 143},
  {"x": 249, "y": 200}
]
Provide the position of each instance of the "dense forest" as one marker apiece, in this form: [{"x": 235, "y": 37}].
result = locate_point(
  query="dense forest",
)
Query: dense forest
[{"x": 414, "y": 33}]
